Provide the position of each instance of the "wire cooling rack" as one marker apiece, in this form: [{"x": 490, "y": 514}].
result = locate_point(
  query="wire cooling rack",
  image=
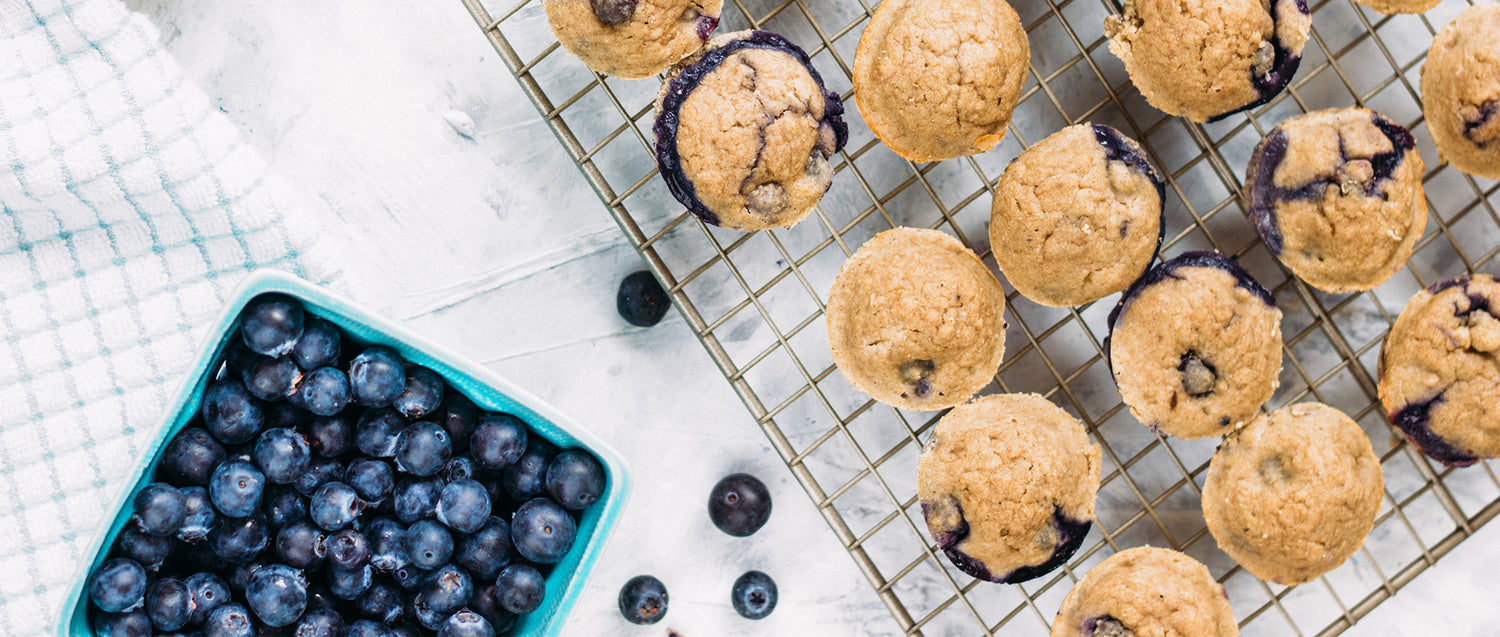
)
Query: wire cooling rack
[{"x": 756, "y": 302}]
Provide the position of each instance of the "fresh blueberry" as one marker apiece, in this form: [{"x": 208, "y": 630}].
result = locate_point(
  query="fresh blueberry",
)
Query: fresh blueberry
[
  {"x": 575, "y": 479},
  {"x": 133, "y": 624},
  {"x": 350, "y": 583},
  {"x": 237, "y": 488},
  {"x": 239, "y": 578},
  {"x": 458, "y": 416},
  {"x": 417, "y": 499},
  {"x": 428, "y": 617},
  {"x": 422, "y": 395},
  {"x": 199, "y": 518},
  {"x": 159, "y": 509},
  {"x": 485, "y": 603},
  {"x": 377, "y": 376},
  {"x": 320, "y": 622},
  {"x": 193, "y": 558},
  {"x": 230, "y": 413},
  {"x": 169, "y": 604},
  {"x": 208, "y": 591},
  {"x": 229, "y": 620},
  {"x": 285, "y": 414},
  {"x": 387, "y": 543},
  {"x": 428, "y": 544},
  {"x": 486, "y": 551},
  {"x": 371, "y": 479},
  {"x": 191, "y": 457},
  {"x": 282, "y": 454},
  {"x": 498, "y": 441},
  {"x": 464, "y": 506},
  {"x": 382, "y": 602},
  {"x": 643, "y": 600},
  {"x": 271, "y": 378},
  {"x": 527, "y": 477},
  {"x": 334, "y": 506},
  {"x": 466, "y": 623},
  {"x": 278, "y": 594},
  {"x": 739, "y": 504},
  {"x": 753, "y": 595},
  {"x": 150, "y": 551},
  {"x": 641, "y": 300},
  {"x": 375, "y": 433},
  {"x": 348, "y": 548},
  {"x": 239, "y": 539},
  {"x": 272, "y": 324},
  {"x": 323, "y": 391},
  {"x": 319, "y": 346},
  {"x": 367, "y": 628},
  {"x": 318, "y": 473},
  {"x": 410, "y": 577},
  {"x": 519, "y": 588},
  {"x": 301, "y": 544},
  {"x": 422, "y": 449},
  {"x": 461, "y": 468},
  {"x": 283, "y": 506},
  {"x": 119, "y": 585},
  {"x": 447, "y": 590},
  {"x": 542, "y": 531},
  {"x": 330, "y": 436}
]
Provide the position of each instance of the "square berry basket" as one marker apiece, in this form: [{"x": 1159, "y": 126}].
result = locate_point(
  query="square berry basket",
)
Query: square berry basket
[{"x": 486, "y": 390}]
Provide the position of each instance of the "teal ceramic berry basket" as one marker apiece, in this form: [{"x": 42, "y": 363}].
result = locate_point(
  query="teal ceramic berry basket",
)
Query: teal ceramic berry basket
[{"x": 488, "y": 391}]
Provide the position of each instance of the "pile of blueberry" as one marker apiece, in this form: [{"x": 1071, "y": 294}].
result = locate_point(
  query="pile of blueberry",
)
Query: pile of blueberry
[{"x": 329, "y": 492}]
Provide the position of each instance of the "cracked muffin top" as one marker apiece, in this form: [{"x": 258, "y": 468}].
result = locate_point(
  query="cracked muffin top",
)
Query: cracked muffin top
[
  {"x": 744, "y": 130},
  {"x": 1146, "y": 592},
  {"x": 632, "y": 38},
  {"x": 937, "y": 79},
  {"x": 1461, "y": 91}
]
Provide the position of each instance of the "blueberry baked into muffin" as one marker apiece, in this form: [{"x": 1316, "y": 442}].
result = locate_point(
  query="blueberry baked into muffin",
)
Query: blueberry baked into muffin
[
  {"x": 744, "y": 130},
  {"x": 937, "y": 79},
  {"x": 1195, "y": 346},
  {"x": 1291, "y": 495},
  {"x": 1077, "y": 216},
  {"x": 916, "y": 320},
  {"x": 1337, "y": 196},
  {"x": 1207, "y": 60},
  {"x": 632, "y": 38},
  {"x": 1146, "y": 592},
  {"x": 1007, "y": 486},
  {"x": 1461, "y": 91},
  {"x": 1440, "y": 370},
  {"x": 1400, "y": 6}
]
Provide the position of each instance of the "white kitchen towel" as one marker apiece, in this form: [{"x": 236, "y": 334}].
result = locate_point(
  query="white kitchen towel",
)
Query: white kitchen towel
[{"x": 131, "y": 207}]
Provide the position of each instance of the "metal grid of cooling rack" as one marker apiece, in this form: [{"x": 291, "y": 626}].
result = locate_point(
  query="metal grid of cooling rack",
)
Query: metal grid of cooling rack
[{"x": 756, "y": 301}]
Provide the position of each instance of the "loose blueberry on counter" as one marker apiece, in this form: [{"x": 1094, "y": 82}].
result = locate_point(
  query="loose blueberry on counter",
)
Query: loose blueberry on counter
[
  {"x": 271, "y": 379},
  {"x": 278, "y": 594},
  {"x": 191, "y": 457},
  {"x": 753, "y": 595},
  {"x": 302, "y": 544},
  {"x": 575, "y": 479},
  {"x": 542, "y": 531},
  {"x": 416, "y": 499},
  {"x": 320, "y": 622},
  {"x": 447, "y": 590},
  {"x": 458, "y": 416},
  {"x": 382, "y": 602},
  {"x": 348, "y": 548},
  {"x": 486, "y": 551},
  {"x": 239, "y": 539},
  {"x": 422, "y": 449},
  {"x": 199, "y": 517},
  {"x": 209, "y": 591},
  {"x": 237, "y": 488},
  {"x": 387, "y": 544},
  {"x": 334, "y": 506},
  {"x": 230, "y": 413},
  {"x": 319, "y": 346},
  {"x": 428, "y": 544},
  {"x": 229, "y": 620},
  {"x": 318, "y": 473},
  {"x": 739, "y": 504},
  {"x": 159, "y": 509},
  {"x": 373, "y": 480},
  {"x": 463, "y": 505},
  {"x": 271, "y": 324},
  {"x": 150, "y": 551},
  {"x": 132, "y": 624},
  {"x": 498, "y": 441},
  {"x": 466, "y": 623},
  {"x": 169, "y": 604},
  {"x": 643, "y": 600},
  {"x": 282, "y": 454},
  {"x": 324, "y": 391},
  {"x": 519, "y": 588},
  {"x": 527, "y": 477},
  {"x": 422, "y": 395},
  {"x": 377, "y": 376},
  {"x": 641, "y": 300},
  {"x": 350, "y": 583},
  {"x": 330, "y": 436},
  {"x": 375, "y": 433}
]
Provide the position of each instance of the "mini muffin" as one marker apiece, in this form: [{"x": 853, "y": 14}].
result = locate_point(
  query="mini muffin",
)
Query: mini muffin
[
  {"x": 1440, "y": 370},
  {"x": 1077, "y": 217},
  {"x": 1195, "y": 346},
  {"x": 1461, "y": 91},
  {"x": 1146, "y": 592},
  {"x": 632, "y": 38},
  {"x": 1337, "y": 196},
  {"x": 916, "y": 321},
  {"x": 1206, "y": 60},
  {"x": 1399, "y": 6},
  {"x": 1293, "y": 494},
  {"x": 938, "y": 79},
  {"x": 1007, "y": 486},
  {"x": 744, "y": 130}
]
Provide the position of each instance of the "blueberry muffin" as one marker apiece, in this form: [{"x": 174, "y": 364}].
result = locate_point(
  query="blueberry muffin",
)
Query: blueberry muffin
[
  {"x": 1399, "y": 6},
  {"x": 1146, "y": 592},
  {"x": 1291, "y": 495},
  {"x": 1007, "y": 486},
  {"x": 1076, "y": 217},
  {"x": 937, "y": 79},
  {"x": 1337, "y": 196},
  {"x": 1195, "y": 346},
  {"x": 632, "y": 38},
  {"x": 1206, "y": 60},
  {"x": 1461, "y": 91},
  {"x": 1440, "y": 370},
  {"x": 916, "y": 321},
  {"x": 744, "y": 130}
]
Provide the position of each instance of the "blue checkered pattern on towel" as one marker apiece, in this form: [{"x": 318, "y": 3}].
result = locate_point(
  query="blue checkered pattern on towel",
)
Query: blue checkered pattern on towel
[{"x": 130, "y": 208}]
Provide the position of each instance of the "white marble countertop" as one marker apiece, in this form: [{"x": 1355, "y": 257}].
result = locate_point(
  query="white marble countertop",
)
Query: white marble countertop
[{"x": 497, "y": 248}]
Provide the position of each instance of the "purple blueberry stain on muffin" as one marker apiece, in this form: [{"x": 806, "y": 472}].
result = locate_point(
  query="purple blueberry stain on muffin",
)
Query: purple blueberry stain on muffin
[
  {"x": 917, "y": 374},
  {"x": 1476, "y": 120},
  {"x": 1276, "y": 61},
  {"x": 1104, "y": 626},
  {"x": 706, "y": 26},
  {"x": 1118, "y": 147},
  {"x": 1198, "y": 376},
  {"x": 1168, "y": 270},
  {"x": 1070, "y": 536},
  {"x": 948, "y": 527},
  {"x": 1414, "y": 421}
]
